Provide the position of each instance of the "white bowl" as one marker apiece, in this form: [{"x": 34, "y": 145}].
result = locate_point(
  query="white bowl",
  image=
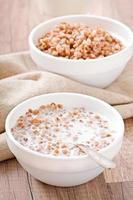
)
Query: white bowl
[
  {"x": 96, "y": 72},
  {"x": 63, "y": 7},
  {"x": 64, "y": 171}
]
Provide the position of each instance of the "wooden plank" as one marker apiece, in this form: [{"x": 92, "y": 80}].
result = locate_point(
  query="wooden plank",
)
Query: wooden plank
[
  {"x": 115, "y": 191},
  {"x": 127, "y": 188},
  {"x": 13, "y": 182},
  {"x": 5, "y": 36},
  {"x": 19, "y": 24},
  {"x": 95, "y": 189},
  {"x": 124, "y": 161},
  {"x": 124, "y": 11}
]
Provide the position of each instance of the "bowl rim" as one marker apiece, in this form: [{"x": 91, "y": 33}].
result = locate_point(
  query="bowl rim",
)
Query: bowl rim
[
  {"x": 49, "y": 156},
  {"x": 35, "y": 29}
]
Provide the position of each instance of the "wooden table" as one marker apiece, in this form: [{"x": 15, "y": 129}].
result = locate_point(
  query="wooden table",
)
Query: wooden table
[{"x": 17, "y": 18}]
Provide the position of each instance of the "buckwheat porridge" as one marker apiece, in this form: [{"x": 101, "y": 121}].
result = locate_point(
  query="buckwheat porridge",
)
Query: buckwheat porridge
[
  {"x": 56, "y": 130},
  {"x": 79, "y": 41}
]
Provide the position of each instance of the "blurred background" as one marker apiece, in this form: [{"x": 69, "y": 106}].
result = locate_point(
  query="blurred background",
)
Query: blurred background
[{"x": 18, "y": 17}]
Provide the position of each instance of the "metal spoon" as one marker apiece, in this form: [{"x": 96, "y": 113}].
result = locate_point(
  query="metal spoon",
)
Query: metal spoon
[{"x": 97, "y": 157}]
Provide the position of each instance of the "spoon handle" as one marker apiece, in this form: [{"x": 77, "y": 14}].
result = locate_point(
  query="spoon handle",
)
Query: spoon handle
[{"x": 99, "y": 158}]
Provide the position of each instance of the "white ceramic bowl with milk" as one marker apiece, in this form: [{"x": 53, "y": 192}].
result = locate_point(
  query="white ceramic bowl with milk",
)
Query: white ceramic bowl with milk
[{"x": 64, "y": 171}]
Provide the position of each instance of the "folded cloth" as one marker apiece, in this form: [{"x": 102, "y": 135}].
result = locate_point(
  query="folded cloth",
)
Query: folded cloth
[{"x": 21, "y": 79}]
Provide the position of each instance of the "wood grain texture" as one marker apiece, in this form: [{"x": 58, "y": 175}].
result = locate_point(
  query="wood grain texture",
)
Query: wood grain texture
[
  {"x": 17, "y": 18},
  {"x": 124, "y": 159},
  {"x": 13, "y": 182}
]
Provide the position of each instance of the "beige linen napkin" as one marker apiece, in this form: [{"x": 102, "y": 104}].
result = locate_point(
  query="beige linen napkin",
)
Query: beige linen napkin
[{"x": 21, "y": 79}]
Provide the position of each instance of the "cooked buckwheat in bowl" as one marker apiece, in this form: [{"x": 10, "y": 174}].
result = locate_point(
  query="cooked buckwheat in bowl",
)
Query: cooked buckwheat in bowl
[
  {"x": 44, "y": 132},
  {"x": 91, "y": 49},
  {"x": 79, "y": 41}
]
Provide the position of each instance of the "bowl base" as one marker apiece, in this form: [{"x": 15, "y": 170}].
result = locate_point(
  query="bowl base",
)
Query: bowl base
[{"x": 62, "y": 179}]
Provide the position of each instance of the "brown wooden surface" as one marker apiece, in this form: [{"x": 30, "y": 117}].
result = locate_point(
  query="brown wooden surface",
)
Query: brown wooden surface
[{"x": 17, "y": 18}]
